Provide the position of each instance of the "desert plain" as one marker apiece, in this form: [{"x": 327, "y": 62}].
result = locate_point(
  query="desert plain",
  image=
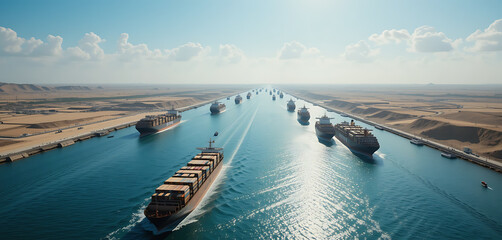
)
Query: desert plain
[
  {"x": 34, "y": 115},
  {"x": 454, "y": 115}
]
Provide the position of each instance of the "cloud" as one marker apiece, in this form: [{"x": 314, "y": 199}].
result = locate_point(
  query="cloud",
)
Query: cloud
[
  {"x": 360, "y": 52},
  {"x": 9, "y": 41},
  {"x": 88, "y": 48},
  {"x": 129, "y": 51},
  {"x": 188, "y": 51},
  {"x": 231, "y": 53},
  {"x": 426, "y": 39},
  {"x": 11, "y": 44},
  {"x": 488, "y": 40},
  {"x": 390, "y": 36},
  {"x": 294, "y": 49}
]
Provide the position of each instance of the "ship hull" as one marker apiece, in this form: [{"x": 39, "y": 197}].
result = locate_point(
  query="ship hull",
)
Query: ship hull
[
  {"x": 159, "y": 128},
  {"x": 323, "y": 134},
  {"x": 355, "y": 147},
  {"x": 237, "y": 101},
  {"x": 303, "y": 118},
  {"x": 167, "y": 224},
  {"x": 216, "y": 110},
  {"x": 291, "y": 108}
]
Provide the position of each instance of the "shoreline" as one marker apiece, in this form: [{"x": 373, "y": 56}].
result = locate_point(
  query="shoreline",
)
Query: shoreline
[
  {"x": 25, "y": 152},
  {"x": 482, "y": 161}
]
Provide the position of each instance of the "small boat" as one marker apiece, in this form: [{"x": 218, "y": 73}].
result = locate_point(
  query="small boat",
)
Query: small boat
[
  {"x": 216, "y": 133},
  {"x": 228, "y": 98},
  {"x": 378, "y": 127},
  {"x": 417, "y": 142},
  {"x": 485, "y": 185},
  {"x": 448, "y": 155},
  {"x": 344, "y": 115},
  {"x": 110, "y": 136}
]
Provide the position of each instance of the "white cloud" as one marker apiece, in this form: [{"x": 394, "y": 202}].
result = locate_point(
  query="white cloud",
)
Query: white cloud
[
  {"x": 427, "y": 39},
  {"x": 129, "y": 51},
  {"x": 360, "y": 52},
  {"x": 390, "y": 36},
  {"x": 294, "y": 49},
  {"x": 231, "y": 53},
  {"x": 188, "y": 51},
  {"x": 488, "y": 40},
  {"x": 9, "y": 41},
  {"x": 11, "y": 44},
  {"x": 88, "y": 48}
]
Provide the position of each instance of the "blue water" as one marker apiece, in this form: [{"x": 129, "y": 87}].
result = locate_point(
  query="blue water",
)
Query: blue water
[{"x": 278, "y": 181}]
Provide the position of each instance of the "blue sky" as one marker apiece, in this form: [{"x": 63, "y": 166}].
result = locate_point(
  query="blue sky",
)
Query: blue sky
[{"x": 257, "y": 28}]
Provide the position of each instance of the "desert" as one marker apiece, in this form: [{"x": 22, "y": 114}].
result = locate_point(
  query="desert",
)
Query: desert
[
  {"x": 458, "y": 116},
  {"x": 34, "y": 115}
]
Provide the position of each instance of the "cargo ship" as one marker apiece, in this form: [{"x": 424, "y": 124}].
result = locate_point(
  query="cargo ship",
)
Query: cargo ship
[
  {"x": 249, "y": 95},
  {"x": 217, "y": 107},
  {"x": 180, "y": 194},
  {"x": 281, "y": 95},
  {"x": 291, "y": 105},
  {"x": 324, "y": 129},
  {"x": 356, "y": 138},
  {"x": 303, "y": 115},
  {"x": 273, "y": 97},
  {"x": 157, "y": 123},
  {"x": 238, "y": 99}
]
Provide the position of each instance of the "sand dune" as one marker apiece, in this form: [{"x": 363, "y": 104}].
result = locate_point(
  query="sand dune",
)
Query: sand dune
[{"x": 452, "y": 115}]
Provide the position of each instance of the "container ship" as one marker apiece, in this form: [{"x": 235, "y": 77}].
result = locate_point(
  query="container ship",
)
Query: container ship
[
  {"x": 281, "y": 95},
  {"x": 238, "y": 99},
  {"x": 217, "y": 107},
  {"x": 273, "y": 97},
  {"x": 180, "y": 194},
  {"x": 157, "y": 123},
  {"x": 303, "y": 114},
  {"x": 249, "y": 95},
  {"x": 356, "y": 138},
  {"x": 291, "y": 105},
  {"x": 324, "y": 129}
]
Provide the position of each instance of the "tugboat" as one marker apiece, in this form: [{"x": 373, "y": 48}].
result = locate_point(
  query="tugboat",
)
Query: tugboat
[
  {"x": 324, "y": 129},
  {"x": 356, "y": 138},
  {"x": 303, "y": 115},
  {"x": 417, "y": 142},
  {"x": 180, "y": 194},
  {"x": 273, "y": 97},
  {"x": 217, "y": 107},
  {"x": 291, "y": 105},
  {"x": 249, "y": 95},
  {"x": 238, "y": 99}
]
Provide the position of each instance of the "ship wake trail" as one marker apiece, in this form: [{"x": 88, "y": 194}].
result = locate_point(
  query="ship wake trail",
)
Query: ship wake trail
[{"x": 199, "y": 211}]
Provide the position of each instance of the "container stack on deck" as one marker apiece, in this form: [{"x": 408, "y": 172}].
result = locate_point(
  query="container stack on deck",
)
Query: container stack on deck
[{"x": 177, "y": 191}]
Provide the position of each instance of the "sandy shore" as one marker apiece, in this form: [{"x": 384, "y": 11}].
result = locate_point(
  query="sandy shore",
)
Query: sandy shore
[
  {"x": 31, "y": 123},
  {"x": 447, "y": 120}
]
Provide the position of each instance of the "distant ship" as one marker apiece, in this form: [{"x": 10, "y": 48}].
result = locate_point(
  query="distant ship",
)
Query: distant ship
[
  {"x": 217, "y": 107},
  {"x": 273, "y": 97},
  {"x": 291, "y": 105},
  {"x": 249, "y": 95},
  {"x": 417, "y": 142},
  {"x": 238, "y": 99},
  {"x": 324, "y": 128},
  {"x": 281, "y": 95},
  {"x": 174, "y": 200},
  {"x": 157, "y": 123},
  {"x": 270, "y": 92},
  {"x": 356, "y": 138},
  {"x": 303, "y": 114}
]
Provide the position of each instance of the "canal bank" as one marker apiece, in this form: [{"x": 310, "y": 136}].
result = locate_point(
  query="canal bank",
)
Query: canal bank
[{"x": 482, "y": 161}]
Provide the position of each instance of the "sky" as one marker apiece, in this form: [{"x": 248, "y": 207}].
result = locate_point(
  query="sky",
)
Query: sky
[{"x": 273, "y": 42}]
